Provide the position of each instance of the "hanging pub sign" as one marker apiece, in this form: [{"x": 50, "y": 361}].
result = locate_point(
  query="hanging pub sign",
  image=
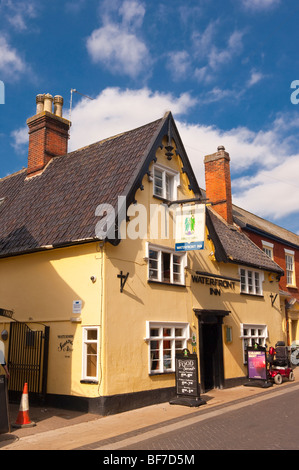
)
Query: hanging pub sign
[
  {"x": 190, "y": 228},
  {"x": 257, "y": 366},
  {"x": 186, "y": 377}
]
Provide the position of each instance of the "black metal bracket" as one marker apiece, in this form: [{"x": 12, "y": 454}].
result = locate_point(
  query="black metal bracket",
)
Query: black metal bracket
[
  {"x": 123, "y": 279},
  {"x": 273, "y": 298}
]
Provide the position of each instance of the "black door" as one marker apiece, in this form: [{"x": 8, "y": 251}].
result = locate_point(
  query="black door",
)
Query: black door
[
  {"x": 211, "y": 348},
  {"x": 209, "y": 356}
]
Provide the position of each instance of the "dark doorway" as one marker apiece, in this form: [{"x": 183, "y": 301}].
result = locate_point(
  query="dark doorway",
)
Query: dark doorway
[
  {"x": 209, "y": 356},
  {"x": 211, "y": 348}
]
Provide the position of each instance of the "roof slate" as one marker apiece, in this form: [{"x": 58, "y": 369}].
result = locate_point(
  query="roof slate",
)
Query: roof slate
[
  {"x": 248, "y": 220},
  {"x": 58, "y": 206},
  {"x": 234, "y": 246}
]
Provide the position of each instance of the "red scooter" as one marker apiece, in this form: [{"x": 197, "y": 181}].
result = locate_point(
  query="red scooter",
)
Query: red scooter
[{"x": 279, "y": 363}]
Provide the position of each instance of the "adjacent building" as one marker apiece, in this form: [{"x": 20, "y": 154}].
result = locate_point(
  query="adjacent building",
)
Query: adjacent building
[
  {"x": 282, "y": 246},
  {"x": 96, "y": 298}
]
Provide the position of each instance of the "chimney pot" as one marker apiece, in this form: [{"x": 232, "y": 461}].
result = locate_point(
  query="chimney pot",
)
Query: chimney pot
[
  {"x": 40, "y": 103},
  {"x": 58, "y": 103},
  {"x": 221, "y": 147},
  {"x": 48, "y": 103},
  {"x": 48, "y": 133}
]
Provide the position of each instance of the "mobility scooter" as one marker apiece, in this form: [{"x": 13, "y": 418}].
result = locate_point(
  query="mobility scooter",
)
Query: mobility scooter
[{"x": 279, "y": 363}]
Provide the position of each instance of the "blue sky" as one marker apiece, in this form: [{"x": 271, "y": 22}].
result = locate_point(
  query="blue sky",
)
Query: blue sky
[{"x": 224, "y": 69}]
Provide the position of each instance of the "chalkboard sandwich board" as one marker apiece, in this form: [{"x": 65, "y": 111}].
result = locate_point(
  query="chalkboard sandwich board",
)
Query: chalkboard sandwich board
[{"x": 186, "y": 378}]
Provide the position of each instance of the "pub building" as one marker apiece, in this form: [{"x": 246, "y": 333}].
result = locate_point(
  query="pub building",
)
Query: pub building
[{"x": 100, "y": 306}]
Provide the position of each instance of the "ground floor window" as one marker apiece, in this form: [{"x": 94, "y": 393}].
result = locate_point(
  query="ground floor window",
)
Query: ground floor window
[
  {"x": 251, "y": 335},
  {"x": 90, "y": 353},
  {"x": 165, "y": 340}
]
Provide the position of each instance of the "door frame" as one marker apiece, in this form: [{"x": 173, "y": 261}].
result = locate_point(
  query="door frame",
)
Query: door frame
[{"x": 211, "y": 317}]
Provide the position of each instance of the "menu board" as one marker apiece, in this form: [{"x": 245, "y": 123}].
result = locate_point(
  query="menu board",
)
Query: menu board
[
  {"x": 186, "y": 375},
  {"x": 257, "y": 364}
]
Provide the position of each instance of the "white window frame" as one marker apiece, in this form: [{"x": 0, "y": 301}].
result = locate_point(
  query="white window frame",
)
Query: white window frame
[
  {"x": 85, "y": 343},
  {"x": 290, "y": 267},
  {"x": 155, "y": 354},
  {"x": 169, "y": 194},
  {"x": 251, "y": 281},
  {"x": 156, "y": 264},
  {"x": 251, "y": 334},
  {"x": 268, "y": 248}
]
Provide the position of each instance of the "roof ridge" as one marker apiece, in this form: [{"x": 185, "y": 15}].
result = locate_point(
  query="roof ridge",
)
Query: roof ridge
[
  {"x": 265, "y": 220},
  {"x": 107, "y": 139},
  {"x": 13, "y": 174}
]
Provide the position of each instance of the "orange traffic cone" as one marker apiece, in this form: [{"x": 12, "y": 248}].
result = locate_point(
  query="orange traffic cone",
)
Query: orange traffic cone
[{"x": 23, "y": 419}]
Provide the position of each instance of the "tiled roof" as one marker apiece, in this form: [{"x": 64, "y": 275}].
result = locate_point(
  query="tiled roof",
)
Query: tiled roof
[
  {"x": 234, "y": 246},
  {"x": 251, "y": 221},
  {"x": 58, "y": 206}
]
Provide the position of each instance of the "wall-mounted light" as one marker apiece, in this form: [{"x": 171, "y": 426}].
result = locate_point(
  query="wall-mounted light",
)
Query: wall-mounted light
[
  {"x": 150, "y": 176},
  {"x": 4, "y": 335}
]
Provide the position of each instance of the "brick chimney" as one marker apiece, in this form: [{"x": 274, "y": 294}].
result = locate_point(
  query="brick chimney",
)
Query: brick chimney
[
  {"x": 48, "y": 133},
  {"x": 218, "y": 183}
]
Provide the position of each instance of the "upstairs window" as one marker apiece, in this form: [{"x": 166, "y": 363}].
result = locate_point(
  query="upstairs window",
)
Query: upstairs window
[
  {"x": 166, "y": 265},
  {"x": 268, "y": 249},
  {"x": 290, "y": 267},
  {"x": 166, "y": 182},
  {"x": 251, "y": 282}
]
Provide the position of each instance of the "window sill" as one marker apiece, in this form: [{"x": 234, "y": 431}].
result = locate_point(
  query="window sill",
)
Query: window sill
[
  {"x": 160, "y": 198},
  {"x": 290, "y": 286},
  {"x": 89, "y": 381},
  {"x": 166, "y": 283},
  {"x": 253, "y": 295},
  {"x": 152, "y": 374}
]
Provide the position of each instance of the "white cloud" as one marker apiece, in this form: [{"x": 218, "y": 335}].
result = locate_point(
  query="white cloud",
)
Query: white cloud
[
  {"x": 115, "y": 110},
  {"x": 132, "y": 13},
  {"x": 18, "y": 12},
  {"x": 117, "y": 45},
  {"x": 272, "y": 193},
  {"x": 20, "y": 139},
  {"x": 259, "y": 4},
  {"x": 211, "y": 57},
  {"x": 11, "y": 64},
  {"x": 255, "y": 77},
  {"x": 179, "y": 64}
]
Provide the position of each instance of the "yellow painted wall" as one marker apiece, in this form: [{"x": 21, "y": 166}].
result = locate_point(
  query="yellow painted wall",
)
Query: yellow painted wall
[{"x": 40, "y": 288}]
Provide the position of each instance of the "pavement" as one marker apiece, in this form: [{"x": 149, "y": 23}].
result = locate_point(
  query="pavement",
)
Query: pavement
[{"x": 57, "y": 429}]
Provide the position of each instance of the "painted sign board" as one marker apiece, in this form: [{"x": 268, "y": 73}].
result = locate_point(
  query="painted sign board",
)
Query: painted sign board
[{"x": 190, "y": 228}]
